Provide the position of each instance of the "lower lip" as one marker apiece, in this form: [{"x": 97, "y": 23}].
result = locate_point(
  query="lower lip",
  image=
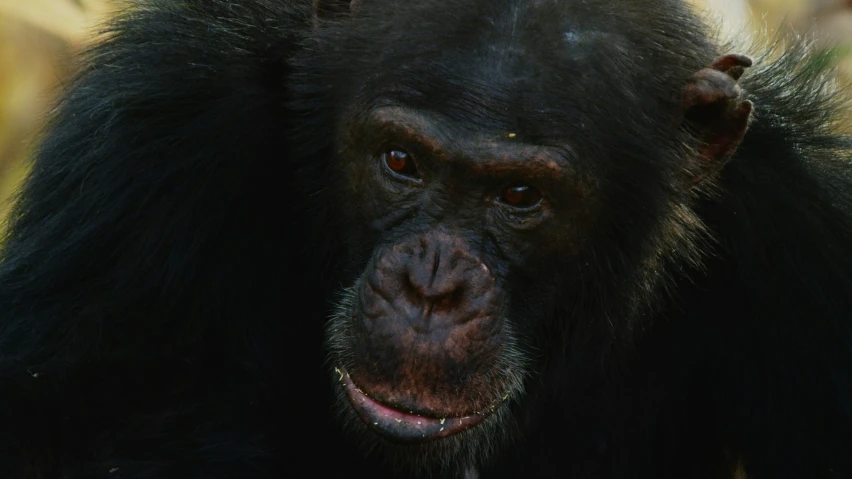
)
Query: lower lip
[{"x": 402, "y": 427}]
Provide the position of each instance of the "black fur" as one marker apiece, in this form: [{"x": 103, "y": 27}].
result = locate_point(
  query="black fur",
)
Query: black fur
[{"x": 174, "y": 253}]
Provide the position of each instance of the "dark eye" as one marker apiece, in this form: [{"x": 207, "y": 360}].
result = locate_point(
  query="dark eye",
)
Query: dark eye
[
  {"x": 521, "y": 196},
  {"x": 400, "y": 163}
]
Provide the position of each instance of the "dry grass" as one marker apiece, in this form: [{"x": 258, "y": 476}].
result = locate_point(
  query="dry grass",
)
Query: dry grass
[{"x": 37, "y": 41}]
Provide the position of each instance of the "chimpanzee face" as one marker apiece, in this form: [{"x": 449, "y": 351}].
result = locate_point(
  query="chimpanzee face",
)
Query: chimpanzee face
[{"x": 482, "y": 175}]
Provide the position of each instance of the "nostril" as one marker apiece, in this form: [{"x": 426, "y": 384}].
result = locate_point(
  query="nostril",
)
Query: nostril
[
  {"x": 450, "y": 301},
  {"x": 424, "y": 285},
  {"x": 409, "y": 286},
  {"x": 457, "y": 294},
  {"x": 436, "y": 264}
]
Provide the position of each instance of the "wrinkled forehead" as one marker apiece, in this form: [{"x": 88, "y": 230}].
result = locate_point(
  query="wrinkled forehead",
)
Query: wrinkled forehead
[{"x": 527, "y": 66}]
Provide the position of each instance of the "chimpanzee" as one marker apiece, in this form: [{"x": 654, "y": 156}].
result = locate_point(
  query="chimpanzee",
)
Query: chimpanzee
[{"x": 462, "y": 238}]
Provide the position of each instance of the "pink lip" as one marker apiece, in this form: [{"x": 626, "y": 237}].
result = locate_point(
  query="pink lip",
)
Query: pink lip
[{"x": 404, "y": 427}]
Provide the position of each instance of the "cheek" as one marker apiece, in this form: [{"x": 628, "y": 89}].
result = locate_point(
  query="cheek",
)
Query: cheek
[
  {"x": 354, "y": 174},
  {"x": 361, "y": 193},
  {"x": 368, "y": 188}
]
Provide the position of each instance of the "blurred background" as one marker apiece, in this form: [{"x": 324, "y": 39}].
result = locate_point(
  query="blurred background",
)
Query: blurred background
[{"x": 38, "y": 39}]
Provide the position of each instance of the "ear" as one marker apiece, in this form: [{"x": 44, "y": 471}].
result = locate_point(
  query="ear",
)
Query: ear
[
  {"x": 714, "y": 110},
  {"x": 330, "y": 9}
]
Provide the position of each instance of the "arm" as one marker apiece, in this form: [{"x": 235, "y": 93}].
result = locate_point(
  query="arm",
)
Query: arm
[{"x": 134, "y": 238}]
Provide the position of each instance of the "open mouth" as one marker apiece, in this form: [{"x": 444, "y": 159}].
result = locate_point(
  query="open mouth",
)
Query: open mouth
[{"x": 405, "y": 427}]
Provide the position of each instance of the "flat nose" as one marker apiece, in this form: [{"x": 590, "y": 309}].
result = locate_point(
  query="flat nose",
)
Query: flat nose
[
  {"x": 437, "y": 272},
  {"x": 435, "y": 277}
]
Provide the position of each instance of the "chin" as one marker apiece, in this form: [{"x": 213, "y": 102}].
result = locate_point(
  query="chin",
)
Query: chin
[
  {"x": 417, "y": 432},
  {"x": 416, "y": 445}
]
